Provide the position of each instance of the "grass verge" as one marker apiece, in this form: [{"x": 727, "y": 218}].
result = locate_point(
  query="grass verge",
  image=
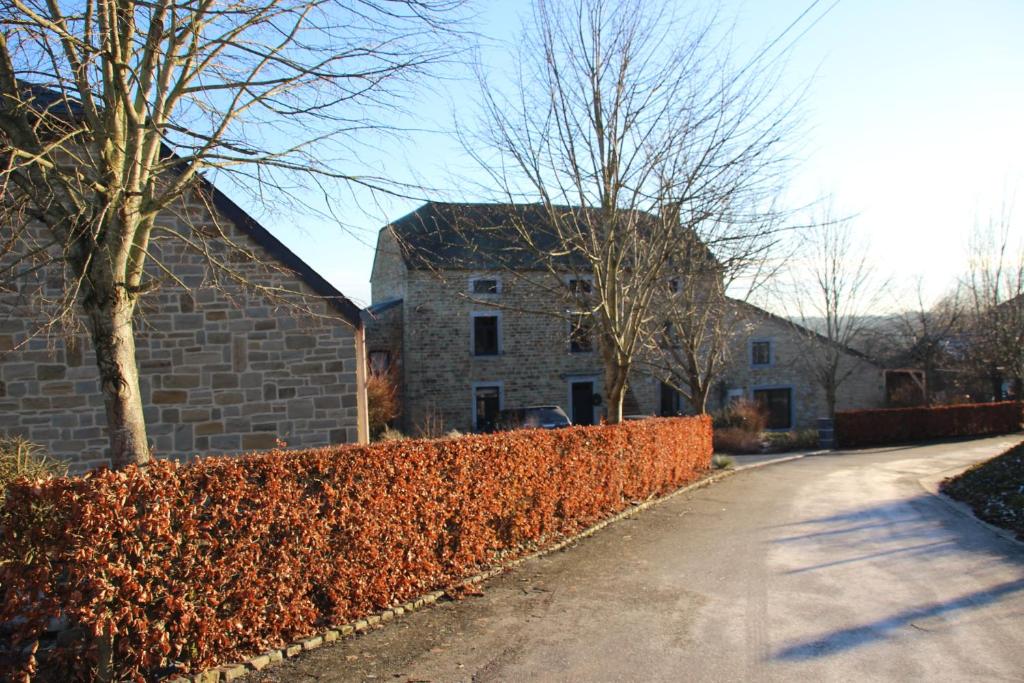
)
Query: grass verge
[{"x": 994, "y": 489}]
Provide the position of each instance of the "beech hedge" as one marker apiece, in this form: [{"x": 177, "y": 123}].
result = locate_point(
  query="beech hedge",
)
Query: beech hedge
[
  {"x": 862, "y": 428},
  {"x": 178, "y": 567}
]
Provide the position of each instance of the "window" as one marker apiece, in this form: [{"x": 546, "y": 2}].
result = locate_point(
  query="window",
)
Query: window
[
  {"x": 760, "y": 353},
  {"x": 581, "y": 333},
  {"x": 580, "y": 286},
  {"x": 777, "y": 405},
  {"x": 486, "y": 334},
  {"x": 486, "y": 406},
  {"x": 673, "y": 285},
  {"x": 485, "y": 285}
]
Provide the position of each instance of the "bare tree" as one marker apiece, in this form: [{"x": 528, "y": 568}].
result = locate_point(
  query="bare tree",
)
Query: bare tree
[
  {"x": 111, "y": 111},
  {"x": 926, "y": 336},
  {"x": 834, "y": 293},
  {"x": 698, "y": 317},
  {"x": 995, "y": 293},
  {"x": 632, "y": 132}
]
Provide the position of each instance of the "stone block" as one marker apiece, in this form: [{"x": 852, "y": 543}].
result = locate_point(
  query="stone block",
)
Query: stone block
[
  {"x": 226, "y": 398},
  {"x": 293, "y": 650},
  {"x": 48, "y": 372},
  {"x": 312, "y": 643},
  {"x": 299, "y": 341},
  {"x": 224, "y": 380},
  {"x": 231, "y": 672},
  {"x": 259, "y": 441},
  {"x": 209, "y": 428},
  {"x": 300, "y": 409},
  {"x": 259, "y": 662},
  {"x": 181, "y": 381},
  {"x": 163, "y": 396}
]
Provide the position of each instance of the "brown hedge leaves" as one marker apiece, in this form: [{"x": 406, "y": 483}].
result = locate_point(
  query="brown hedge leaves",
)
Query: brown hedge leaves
[
  {"x": 225, "y": 557},
  {"x": 860, "y": 428}
]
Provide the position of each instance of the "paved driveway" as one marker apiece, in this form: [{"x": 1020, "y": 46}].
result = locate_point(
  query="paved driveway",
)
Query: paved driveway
[{"x": 837, "y": 567}]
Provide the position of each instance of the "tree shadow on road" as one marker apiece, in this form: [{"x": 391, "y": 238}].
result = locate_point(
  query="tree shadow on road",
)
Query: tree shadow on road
[
  {"x": 882, "y": 629},
  {"x": 884, "y": 537}
]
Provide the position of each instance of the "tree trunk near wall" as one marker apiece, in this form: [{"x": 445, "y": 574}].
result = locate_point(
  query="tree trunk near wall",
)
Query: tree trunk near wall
[
  {"x": 615, "y": 392},
  {"x": 109, "y": 319}
]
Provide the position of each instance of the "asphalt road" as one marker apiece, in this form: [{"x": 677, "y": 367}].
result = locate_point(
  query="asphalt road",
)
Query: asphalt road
[{"x": 838, "y": 567}]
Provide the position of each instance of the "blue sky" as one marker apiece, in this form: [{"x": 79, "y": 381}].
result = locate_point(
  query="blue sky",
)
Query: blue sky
[{"x": 914, "y": 121}]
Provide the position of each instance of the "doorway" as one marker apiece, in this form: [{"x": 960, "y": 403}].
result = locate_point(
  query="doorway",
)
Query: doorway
[{"x": 581, "y": 401}]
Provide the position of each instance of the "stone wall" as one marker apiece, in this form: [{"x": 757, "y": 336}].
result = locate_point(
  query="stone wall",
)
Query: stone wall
[
  {"x": 535, "y": 366},
  {"x": 223, "y": 367},
  {"x": 789, "y": 368},
  {"x": 440, "y": 370}
]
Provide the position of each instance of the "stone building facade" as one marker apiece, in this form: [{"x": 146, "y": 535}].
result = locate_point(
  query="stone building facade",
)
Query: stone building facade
[
  {"x": 770, "y": 360},
  {"x": 433, "y": 300},
  {"x": 224, "y": 367}
]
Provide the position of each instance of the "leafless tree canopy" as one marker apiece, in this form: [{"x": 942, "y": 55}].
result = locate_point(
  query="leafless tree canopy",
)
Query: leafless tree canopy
[
  {"x": 110, "y": 111},
  {"x": 640, "y": 118},
  {"x": 833, "y": 295},
  {"x": 995, "y": 294}
]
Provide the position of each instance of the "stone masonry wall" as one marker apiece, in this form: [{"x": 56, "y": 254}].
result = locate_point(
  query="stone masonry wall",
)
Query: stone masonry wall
[
  {"x": 865, "y": 387},
  {"x": 223, "y": 368},
  {"x": 440, "y": 370},
  {"x": 535, "y": 365}
]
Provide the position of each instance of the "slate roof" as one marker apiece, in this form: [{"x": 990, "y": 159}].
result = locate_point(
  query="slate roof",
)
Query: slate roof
[
  {"x": 482, "y": 236},
  {"x": 44, "y": 98}
]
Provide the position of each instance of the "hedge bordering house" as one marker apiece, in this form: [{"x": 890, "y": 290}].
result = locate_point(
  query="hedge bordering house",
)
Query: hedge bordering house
[
  {"x": 225, "y": 557},
  {"x": 862, "y": 428}
]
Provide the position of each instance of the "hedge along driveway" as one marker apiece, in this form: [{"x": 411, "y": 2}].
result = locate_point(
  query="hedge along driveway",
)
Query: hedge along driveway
[
  {"x": 226, "y": 557},
  {"x": 865, "y": 428}
]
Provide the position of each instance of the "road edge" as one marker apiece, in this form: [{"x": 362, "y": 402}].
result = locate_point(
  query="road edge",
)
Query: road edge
[{"x": 931, "y": 484}]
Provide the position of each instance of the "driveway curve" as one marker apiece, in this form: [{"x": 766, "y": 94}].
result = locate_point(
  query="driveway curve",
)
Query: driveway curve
[{"x": 830, "y": 568}]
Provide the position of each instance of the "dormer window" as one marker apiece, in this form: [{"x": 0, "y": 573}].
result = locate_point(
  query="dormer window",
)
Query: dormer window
[{"x": 485, "y": 285}]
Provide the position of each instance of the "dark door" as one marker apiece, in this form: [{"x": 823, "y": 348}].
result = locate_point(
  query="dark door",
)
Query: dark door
[
  {"x": 583, "y": 403},
  {"x": 670, "y": 403},
  {"x": 777, "y": 405},
  {"x": 488, "y": 403}
]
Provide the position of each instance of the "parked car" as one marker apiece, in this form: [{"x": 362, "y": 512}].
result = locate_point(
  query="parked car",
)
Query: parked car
[{"x": 533, "y": 417}]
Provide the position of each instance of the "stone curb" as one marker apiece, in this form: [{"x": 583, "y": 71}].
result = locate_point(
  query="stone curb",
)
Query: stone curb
[
  {"x": 234, "y": 671},
  {"x": 931, "y": 485}
]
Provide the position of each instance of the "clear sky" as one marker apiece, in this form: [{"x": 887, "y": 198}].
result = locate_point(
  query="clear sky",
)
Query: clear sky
[{"x": 914, "y": 121}]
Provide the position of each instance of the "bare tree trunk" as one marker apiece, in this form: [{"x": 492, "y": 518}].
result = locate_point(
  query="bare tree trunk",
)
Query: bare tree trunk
[
  {"x": 109, "y": 319},
  {"x": 615, "y": 391}
]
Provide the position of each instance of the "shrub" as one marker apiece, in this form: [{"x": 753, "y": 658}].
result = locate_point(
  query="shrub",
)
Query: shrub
[
  {"x": 744, "y": 415},
  {"x": 225, "y": 557},
  {"x": 860, "y": 428},
  {"x": 736, "y": 441},
  {"x": 798, "y": 440},
  {"x": 382, "y": 401},
  {"x": 722, "y": 462},
  {"x": 21, "y": 458}
]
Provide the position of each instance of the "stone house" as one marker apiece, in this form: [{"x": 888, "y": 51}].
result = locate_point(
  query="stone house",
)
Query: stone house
[
  {"x": 225, "y": 366},
  {"x": 467, "y": 335}
]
